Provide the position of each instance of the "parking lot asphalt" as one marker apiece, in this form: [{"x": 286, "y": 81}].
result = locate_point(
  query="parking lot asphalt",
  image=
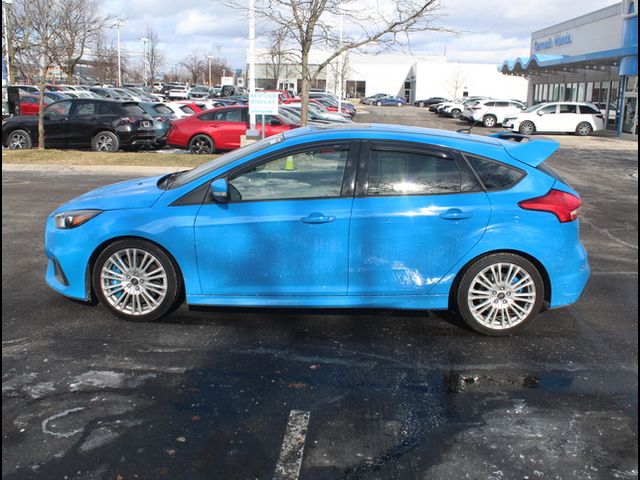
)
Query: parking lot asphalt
[{"x": 341, "y": 394}]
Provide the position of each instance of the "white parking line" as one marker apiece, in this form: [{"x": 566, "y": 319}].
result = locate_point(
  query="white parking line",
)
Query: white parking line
[{"x": 290, "y": 460}]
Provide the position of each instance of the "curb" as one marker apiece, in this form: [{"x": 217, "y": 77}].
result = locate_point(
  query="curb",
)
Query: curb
[{"x": 95, "y": 169}]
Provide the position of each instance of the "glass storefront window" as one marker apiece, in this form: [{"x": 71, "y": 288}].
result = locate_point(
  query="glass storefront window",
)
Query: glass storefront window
[
  {"x": 580, "y": 95},
  {"x": 632, "y": 84},
  {"x": 535, "y": 93},
  {"x": 588, "y": 94},
  {"x": 545, "y": 92}
]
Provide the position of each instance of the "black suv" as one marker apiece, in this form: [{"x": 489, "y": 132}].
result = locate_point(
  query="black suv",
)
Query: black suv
[{"x": 103, "y": 125}]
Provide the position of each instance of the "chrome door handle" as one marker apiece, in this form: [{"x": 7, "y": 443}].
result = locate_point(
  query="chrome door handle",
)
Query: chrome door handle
[
  {"x": 455, "y": 214},
  {"x": 318, "y": 218}
]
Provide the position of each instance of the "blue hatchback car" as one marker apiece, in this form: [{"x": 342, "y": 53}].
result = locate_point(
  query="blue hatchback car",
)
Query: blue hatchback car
[
  {"x": 390, "y": 101},
  {"x": 351, "y": 216}
]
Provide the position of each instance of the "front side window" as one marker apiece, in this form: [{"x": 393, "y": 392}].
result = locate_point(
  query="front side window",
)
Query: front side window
[
  {"x": 311, "y": 174},
  {"x": 408, "y": 173},
  {"x": 548, "y": 110},
  {"x": 58, "y": 108}
]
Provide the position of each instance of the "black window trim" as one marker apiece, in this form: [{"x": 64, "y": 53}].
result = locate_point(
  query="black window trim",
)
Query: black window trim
[
  {"x": 346, "y": 190},
  {"x": 362, "y": 182},
  {"x": 497, "y": 162}
]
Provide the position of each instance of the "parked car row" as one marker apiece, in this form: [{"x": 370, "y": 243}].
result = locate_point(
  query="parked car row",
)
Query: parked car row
[
  {"x": 556, "y": 117},
  {"x": 200, "y": 126}
]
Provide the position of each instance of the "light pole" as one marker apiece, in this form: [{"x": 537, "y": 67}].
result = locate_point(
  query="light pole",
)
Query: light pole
[
  {"x": 144, "y": 41},
  {"x": 252, "y": 67},
  {"x": 6, "y": 29},
  {"x": 210, "y": 57},
  {"x": 117, "y": 26}
]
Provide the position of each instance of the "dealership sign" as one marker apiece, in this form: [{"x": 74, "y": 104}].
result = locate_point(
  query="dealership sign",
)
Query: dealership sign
[
  {"x": 263, "y": 103},
  {"x": 552, "y": 42}
]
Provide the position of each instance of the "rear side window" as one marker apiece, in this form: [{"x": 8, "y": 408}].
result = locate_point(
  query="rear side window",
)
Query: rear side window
[
  {"x": 494, "y": 175},
  {"x": 134, "y": 109},
  {"x": 188, "y": 110},
  {"x": 408, "y": 173},
  {"x": 590, "y": 110},
  {"x": 108, "y": 108},
  {"x": 163, "y": 109}
]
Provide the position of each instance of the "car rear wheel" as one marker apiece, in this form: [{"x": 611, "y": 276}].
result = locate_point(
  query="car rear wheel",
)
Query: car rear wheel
[
  {"x": 583, "y": 129},
  {"x": 500, "y": 293},
  {"x": 136, "y": 280},
  {"x": 489, "y": 121},
  {"x": 19, "y": 140},
  {"x": 105, "y": 142},
  {"x": 421, "y": 104},
  {"x": 201, "y": 144},
  {"x": 379, "y": 104},
  {"x": 527, "y": 128},
  {"x": 399, "y": 104},
  {"x": 455, "y": 113}
]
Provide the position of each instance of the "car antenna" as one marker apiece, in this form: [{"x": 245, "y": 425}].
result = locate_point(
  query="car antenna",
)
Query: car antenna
[{"x": 468, "y": 129}]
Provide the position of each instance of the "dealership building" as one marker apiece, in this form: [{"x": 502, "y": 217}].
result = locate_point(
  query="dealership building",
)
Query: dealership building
[
  {"x": 410, "y": 76},
  {"x": 591, "y": 58}
]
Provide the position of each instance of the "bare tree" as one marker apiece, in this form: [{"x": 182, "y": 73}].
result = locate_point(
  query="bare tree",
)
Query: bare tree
[
  {"x": 105, "y": 60},
  {"x": 80, "y": 22},
  {"x": 313, "y": 23},
  {"x": 194, "y": 65},
  {"x": 279, "y": 55},
  {"x": 43, "y": 26},
  {"x": 456, "y": 81},
  {"x": 155, "y": 56}
]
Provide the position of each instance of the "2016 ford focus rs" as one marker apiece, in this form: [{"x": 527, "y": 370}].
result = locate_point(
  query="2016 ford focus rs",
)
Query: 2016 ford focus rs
[{"x": 351, "y": 216}]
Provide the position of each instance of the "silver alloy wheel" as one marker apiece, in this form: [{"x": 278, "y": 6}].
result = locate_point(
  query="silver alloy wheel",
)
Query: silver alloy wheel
[
  {"x": 133, "y": 281},
  {"x": 584, "y": 129},
  {"x": 104, "y": 143},
  {"x": 17, "y": 141},
  {"x": 489, "y": 121},
  {"x": 526, "y": 128},
  {"x": 501, "y": 296}
]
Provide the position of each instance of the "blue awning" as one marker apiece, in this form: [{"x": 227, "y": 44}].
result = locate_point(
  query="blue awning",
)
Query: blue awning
[{"x": 557, "y": 63}]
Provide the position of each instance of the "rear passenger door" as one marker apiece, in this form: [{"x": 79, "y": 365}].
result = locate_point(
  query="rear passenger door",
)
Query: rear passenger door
[
  {"x": 227, "y": 126},
  {"x": 418, "y": 210},
  {"x": 567, "y": 117}
]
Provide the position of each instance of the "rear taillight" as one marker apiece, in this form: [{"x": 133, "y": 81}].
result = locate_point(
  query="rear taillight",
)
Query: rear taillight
[
  {"x": 476, "y": 108},
  {"x": 563, "y": 205},
  {"x": 128, "y": 120},
  {"x": 159, "y": 119}
]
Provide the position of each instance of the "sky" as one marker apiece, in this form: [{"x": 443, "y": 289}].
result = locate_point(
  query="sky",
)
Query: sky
[{"x": 488, "y": 31}]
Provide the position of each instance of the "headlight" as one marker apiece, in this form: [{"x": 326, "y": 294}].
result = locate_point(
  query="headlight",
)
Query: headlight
[{"x": 74, "y": 218}]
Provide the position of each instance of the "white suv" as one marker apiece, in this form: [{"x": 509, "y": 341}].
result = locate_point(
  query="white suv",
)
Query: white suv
[
  {"x": 581, "y": 118},
  {"x": 492, "y": 112},
  {"x": 178, "y": 92}
]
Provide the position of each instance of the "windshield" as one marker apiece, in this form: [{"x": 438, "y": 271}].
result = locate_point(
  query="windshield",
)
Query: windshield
[
  {"x": 200, "y": 89},
  {"x": 226, "y": 159},
  {"x": 534, "y": 108}
]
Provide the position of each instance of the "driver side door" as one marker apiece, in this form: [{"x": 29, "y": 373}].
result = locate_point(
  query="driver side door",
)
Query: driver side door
[{"x": 56, "y": 123}]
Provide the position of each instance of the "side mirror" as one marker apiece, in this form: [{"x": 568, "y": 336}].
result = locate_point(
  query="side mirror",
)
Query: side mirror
[
  {"x": 275, "y": 123},
  {"x": 220, "y": 190},
  {"x": 540, "y": 113}
]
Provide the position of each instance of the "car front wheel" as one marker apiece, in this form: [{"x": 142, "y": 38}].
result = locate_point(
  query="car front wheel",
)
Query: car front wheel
[
  {"x": 455, "y": 113},
  {"x": 201, "y": 144},
  {"x": 498, "y": 294},
  {"x": 527, "y": 128},
  {"x": 136, "y": 280},
  {"x": 19, "y": 140},
  {"x": 379, "y": 104}
]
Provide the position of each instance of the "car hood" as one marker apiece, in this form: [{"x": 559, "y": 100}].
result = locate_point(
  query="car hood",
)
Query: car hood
[{"x": 137, "y": 193}]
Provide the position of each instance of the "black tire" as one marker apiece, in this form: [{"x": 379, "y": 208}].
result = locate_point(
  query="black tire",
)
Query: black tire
[
  {"x": 421, "y": 104},
  {"x": 202, "y": 144},
  {"x": 584, "y": 129},
  {"x": 527, "y": 128},
  {"x": 105, "y": 141},
  {"x": 461, "y": 292},
  {"x": 489, "y": 121},
  {"x": 19, "y": 140},
  {"x": 174, "y": 288},
  {"x": 455, "y": 113}
]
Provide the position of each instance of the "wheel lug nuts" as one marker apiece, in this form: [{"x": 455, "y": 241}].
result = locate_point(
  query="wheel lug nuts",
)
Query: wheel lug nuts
[
  {"x": 503, "y": 301},
  {"x": 137, "y": 288},
  {"x": 495, "y": 301},
  {"x": 494, "y": 292}
]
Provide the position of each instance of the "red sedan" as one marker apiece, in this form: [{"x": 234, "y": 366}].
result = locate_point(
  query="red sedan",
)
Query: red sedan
[{"x": 220, "y": 129}]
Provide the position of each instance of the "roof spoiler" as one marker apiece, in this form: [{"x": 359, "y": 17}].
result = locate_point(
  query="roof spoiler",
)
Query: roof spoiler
[{"x": 533, "y": 152}]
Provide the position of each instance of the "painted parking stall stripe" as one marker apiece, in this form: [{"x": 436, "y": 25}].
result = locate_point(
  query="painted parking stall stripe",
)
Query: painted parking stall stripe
[{"x": 290, "y": 460}]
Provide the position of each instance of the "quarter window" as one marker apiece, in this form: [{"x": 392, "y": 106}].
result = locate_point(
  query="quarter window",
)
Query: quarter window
[
  {"x": 58, "y": 108},
  {"x": 86, "y": 108},
  {"x": 590, "y": 110},
  {"x": 409, "y": 173},
  {"x": 311, "y": 174},
  {"x": 568, "y": 108},
  {"x": 494, "y": 175}
]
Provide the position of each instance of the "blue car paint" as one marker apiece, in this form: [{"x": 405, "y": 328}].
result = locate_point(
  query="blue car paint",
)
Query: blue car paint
[{"x": 259, "y": 264}]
